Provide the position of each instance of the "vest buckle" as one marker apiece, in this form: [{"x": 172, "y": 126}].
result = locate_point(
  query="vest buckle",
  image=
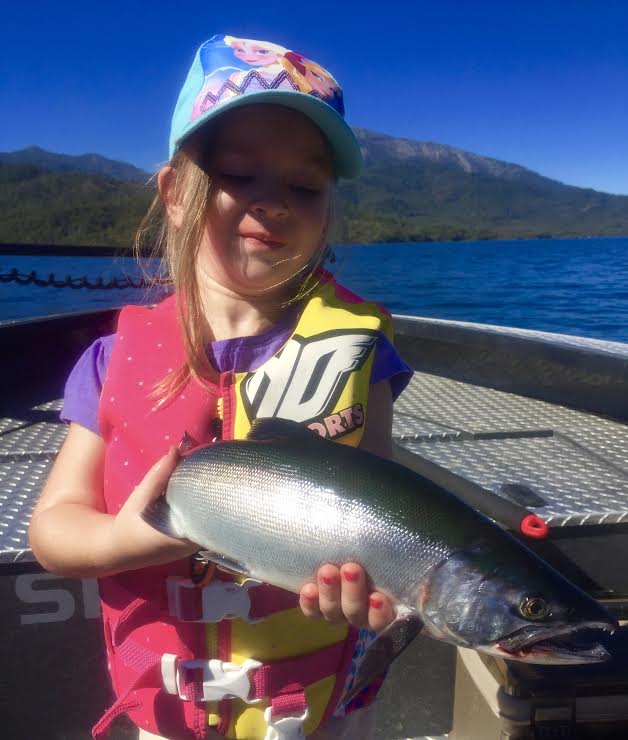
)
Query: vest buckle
[
  {"x": 212, "y": 603},
  {"x": 286, "y": 728},
  {"x": 219, "y": 679}
]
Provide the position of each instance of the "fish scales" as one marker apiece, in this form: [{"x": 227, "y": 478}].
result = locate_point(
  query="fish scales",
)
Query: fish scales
[{"x": 280, "y": 519}]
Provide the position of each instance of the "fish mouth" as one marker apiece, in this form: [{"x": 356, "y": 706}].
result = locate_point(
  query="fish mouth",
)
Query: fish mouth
[{"x": 554, "y": 645}]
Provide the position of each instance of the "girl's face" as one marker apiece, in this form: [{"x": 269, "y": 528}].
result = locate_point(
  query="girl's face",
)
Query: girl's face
[{"x": 269, "y": 206}]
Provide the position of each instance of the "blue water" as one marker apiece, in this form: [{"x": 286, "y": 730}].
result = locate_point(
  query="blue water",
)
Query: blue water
[{"x": 573, "y": 286}]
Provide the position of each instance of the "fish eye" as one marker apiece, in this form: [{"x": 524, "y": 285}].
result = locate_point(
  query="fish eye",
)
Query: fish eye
[{"x": 534, "y": 608}]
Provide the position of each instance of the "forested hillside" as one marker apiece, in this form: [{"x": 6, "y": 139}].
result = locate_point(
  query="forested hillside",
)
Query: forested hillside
[{"x": 409, "y": 191}]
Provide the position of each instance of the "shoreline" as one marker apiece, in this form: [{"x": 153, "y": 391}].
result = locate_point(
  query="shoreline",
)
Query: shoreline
[{"x": 45, "y": 249}]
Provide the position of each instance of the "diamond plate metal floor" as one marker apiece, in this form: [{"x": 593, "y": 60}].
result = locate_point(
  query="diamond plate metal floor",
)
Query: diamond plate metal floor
[
  {"x": 29, "y": 442},
  {"x": 575, "y": 462}
]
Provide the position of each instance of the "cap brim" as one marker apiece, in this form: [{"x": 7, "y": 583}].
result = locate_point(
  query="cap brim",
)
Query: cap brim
[{"x": 344, "y": 145}]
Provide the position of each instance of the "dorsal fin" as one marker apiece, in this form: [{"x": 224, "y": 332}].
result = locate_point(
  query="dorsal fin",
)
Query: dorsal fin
[{"x": 280, "y": 430}]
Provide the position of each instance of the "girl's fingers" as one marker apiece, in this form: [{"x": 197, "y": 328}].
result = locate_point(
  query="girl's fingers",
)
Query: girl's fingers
[
  {"x": 155, "y": 481},
  {"x": 380, "y": 612},
  {"x": 161, "y": 471},
  {"x": 342, "y": 596},
  {"x": 354, "y": 594},
  {"x": 329, "y": 593},
  {"x": 308, "y": 600}
]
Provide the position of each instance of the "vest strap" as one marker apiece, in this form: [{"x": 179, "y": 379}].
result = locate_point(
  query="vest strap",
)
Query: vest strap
[
  {"x": 251, "y": 600},
  {"x": 217, "y": 679},
  {"x": 250, "y": 681},
  {"x": 282, "y": 682},
  {"x": 220, "y": 599},
  {"x": 278, "y": 677}
]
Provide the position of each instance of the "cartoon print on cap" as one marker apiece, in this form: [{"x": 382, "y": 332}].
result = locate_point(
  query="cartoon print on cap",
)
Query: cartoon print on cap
[
  {"x": 261, "y": 53},
  {"x": 312, "y": 78},
  {"x": 233, "y": 66}
]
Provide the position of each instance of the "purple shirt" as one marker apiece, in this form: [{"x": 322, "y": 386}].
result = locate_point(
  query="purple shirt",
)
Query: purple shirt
[{"x": 243, "y": 354}]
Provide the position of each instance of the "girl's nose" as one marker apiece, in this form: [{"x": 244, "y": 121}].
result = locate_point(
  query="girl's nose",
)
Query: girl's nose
[{"x": 270, "y": 207}]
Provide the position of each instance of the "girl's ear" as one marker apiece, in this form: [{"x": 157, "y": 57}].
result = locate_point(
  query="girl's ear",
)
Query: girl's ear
[{"x": 167, "y": 184}]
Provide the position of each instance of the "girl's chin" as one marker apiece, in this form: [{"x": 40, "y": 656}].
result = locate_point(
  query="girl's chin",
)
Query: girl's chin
[
  {"x": 255, "y": 277},
  {"x": 259, "y": 275},
  {"x": 260, "y": 282}
]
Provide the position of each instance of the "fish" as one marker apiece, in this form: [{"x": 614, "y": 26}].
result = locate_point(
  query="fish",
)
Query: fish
[{"x": 284, "y": 501}]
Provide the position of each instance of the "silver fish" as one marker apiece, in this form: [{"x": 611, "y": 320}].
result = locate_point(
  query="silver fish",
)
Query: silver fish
[{"x": 281, "y": 503}]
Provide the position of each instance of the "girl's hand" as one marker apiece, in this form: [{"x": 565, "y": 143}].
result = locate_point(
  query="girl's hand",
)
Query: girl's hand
[
  {"x": 70, "y": 532},
  {"x": 134, "y": 543},
  {"x": 341, "y": 594}
]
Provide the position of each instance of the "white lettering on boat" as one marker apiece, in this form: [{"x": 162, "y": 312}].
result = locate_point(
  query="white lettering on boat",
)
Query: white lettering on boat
[{"x": 61, "y": 603}]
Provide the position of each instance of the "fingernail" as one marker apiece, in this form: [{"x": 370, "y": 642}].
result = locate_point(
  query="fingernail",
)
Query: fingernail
[
  {"x": 376, "y": 602},
  {"x": 187, "y": 443},
  {"x": 351, "y": 576},
  {"x": 329, "y": 580}
]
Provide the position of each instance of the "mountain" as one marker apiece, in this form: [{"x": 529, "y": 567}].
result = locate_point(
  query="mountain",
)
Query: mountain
[
  {"x": 42, "y": 207},
  {"x": 409, "y": 191},
  {"x": 413, "y": 190},
  {"x": 90, "y": 164},
  {"x": 381, "y": 149}
]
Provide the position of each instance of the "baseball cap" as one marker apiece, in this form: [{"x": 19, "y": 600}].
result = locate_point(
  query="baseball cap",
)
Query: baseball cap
[{"x": 228, "y": 72}]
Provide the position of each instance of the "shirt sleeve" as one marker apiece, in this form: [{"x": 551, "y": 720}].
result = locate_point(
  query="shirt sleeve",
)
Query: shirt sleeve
[
  {"x": 84, "y": 384},
  {"x": 388, "y": 365}
]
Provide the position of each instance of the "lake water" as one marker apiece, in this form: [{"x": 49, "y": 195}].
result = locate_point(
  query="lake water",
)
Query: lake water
[{"x": 573, "y": 286}]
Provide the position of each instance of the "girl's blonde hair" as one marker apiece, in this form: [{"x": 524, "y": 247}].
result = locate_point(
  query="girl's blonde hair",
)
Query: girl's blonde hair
[{"x": 177, "y": 248}]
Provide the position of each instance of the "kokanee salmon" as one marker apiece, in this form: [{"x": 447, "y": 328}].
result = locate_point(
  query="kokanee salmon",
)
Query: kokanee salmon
[{"x": 284, "y": 501}]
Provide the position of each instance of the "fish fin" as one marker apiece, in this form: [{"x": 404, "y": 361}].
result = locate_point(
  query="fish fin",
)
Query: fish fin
[
  {"x": 160, "y": 516},
  {"x": 389, "y": 644},
  {"x": 274, "y": 429},
  {"x": 224, "y": 562}
]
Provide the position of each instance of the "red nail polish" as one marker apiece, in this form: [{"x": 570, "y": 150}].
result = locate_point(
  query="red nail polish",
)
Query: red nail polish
[
  {"x": 351, "y": 576},
  {"x": 329, "y": 580},
  {"x": 376, "y": 602}
]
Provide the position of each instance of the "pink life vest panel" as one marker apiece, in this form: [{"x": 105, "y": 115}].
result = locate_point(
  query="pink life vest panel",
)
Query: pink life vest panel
[{"x": 139, "y": 629}]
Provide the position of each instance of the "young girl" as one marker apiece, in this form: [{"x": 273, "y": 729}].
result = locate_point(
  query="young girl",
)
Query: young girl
[{"x": 255, "y": 328}]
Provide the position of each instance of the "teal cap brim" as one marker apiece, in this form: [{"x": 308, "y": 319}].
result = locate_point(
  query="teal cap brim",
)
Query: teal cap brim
[{"x": 344, "y": 145}]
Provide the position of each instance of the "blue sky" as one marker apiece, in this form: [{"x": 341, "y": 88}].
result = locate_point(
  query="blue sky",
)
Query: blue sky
[{"x": 544, "y": 85}]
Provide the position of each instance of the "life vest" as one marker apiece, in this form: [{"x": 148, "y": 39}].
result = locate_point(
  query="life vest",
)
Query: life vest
[{"x": 180, "y": 663}]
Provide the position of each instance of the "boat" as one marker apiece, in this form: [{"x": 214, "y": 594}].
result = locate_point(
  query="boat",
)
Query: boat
[{"x": 520, "y": 423}]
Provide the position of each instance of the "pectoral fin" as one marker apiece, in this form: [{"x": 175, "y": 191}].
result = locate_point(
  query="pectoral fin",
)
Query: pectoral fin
[
  {"x": 390, "y": 643},
  {"x": 223, "y": 562},
  {"x": 160, "y": 516}
]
